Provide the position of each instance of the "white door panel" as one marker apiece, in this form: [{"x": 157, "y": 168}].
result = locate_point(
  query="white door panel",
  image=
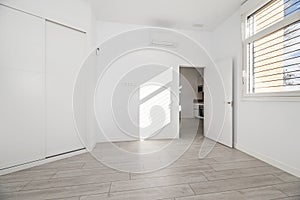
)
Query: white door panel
[
  {"x": 226, "y": 70},
  {"x": 65, "y": 48},
  {"x": 218, "y": 106},
  {"x": 22, "y": 88}
]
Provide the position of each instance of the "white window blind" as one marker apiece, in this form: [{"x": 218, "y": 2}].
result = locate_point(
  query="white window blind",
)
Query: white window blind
[{"x": 272, "y": 47}]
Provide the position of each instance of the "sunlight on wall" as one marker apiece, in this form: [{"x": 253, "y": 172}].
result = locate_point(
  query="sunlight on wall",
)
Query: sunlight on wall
[{"x": 154, "y": 110}]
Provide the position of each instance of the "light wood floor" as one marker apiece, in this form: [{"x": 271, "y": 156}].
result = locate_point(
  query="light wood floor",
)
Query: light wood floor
[{"x": 224, "y": 174}]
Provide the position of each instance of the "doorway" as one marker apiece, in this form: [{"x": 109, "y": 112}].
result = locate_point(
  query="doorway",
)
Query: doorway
[{"x": 191, "y": 99}]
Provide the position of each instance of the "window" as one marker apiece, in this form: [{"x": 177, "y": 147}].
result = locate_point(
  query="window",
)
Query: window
[{"x": 272, "y": 48}]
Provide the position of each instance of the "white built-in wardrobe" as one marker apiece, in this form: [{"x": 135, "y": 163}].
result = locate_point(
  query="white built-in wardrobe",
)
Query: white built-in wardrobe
[{"x": 39, "y": 62}]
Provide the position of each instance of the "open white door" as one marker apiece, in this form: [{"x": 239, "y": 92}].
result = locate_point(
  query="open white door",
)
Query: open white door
[{"x": 221, "y": 111}]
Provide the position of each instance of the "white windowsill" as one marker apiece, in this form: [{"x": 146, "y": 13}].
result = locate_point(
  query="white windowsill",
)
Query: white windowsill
[{"x": 279, "y": 97}]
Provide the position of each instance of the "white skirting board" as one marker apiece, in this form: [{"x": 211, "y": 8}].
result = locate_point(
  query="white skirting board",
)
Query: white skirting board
[
  {"x": 41, "y": 162},
  {"x": 275, "y": 163}
]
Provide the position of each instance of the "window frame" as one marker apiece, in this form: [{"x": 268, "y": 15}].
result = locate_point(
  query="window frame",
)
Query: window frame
[{"x": 248, "y": 10}]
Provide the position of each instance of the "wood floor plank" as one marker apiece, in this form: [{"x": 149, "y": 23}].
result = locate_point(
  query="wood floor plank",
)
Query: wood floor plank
[
  {"x": 231, "y": 195},
  {"x": 238, "y": 165},
  {"x": 191, "y": 162},
  {"x": 84, "y": 172},
  {"x": 154, "y": 193},
  {"x": 77, "y": 180},
  {"x": 262, "y": 193},
  {"x": 61, "y": 164},
  {"x": 291, "y": 198},
  {"x": 68, "y": 198},
  {"x": 12, "y": 186},
  {"x": 95, "y": 197},
  {"x": 157, "y": 182},
  {"x": 238, "y": 173},
  {"x": 286, "y": 177},
  {"x": 226, "y": 159},
  {"x": 61, "y": 192},
  {"x": 173, "y": 171},
  {"x": 27, "y": 175},
  {"x": 234, "y": 184},
  {"x": 291, "y": 189},
  {"x": 108, "y": 197}
]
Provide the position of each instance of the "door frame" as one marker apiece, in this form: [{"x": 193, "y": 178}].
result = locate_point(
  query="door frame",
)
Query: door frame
[
  {"x": 179, "y": 85},
  {"x": 205, "y": 99}
]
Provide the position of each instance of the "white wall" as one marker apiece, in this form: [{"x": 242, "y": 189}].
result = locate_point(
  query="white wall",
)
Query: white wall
[
  {"x": 267, "y": 129},
  {"x": 106, "y": 30},
  {"x": 226, "y": 43},
  {"x": 118, "y": 97}
]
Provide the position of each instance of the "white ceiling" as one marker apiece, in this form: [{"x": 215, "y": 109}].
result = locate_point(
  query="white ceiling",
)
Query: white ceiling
[{"x": 182, "y": 14}]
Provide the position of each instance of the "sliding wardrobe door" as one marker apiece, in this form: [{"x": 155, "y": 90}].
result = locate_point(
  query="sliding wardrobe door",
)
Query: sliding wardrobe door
[
  {"x": 65, "y": 48},
  {"x": 22, "y": 88}
]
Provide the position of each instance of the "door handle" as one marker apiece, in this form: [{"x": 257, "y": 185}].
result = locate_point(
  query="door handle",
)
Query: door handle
[{"x": 229, "y": 102}]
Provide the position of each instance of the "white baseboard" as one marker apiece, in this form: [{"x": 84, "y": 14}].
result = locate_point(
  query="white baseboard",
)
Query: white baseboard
[
  {"x": 275, "y": 163},
  {"x": 40, "y": 162},
  {"x": 133, "y": 140},
  {"x": 115, "y": 140}
]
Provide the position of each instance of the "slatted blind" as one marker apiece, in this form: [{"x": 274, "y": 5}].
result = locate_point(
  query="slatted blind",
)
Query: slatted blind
[
  {"x": 270, "y": 14},
  {"x": 274, "y": 57}
]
